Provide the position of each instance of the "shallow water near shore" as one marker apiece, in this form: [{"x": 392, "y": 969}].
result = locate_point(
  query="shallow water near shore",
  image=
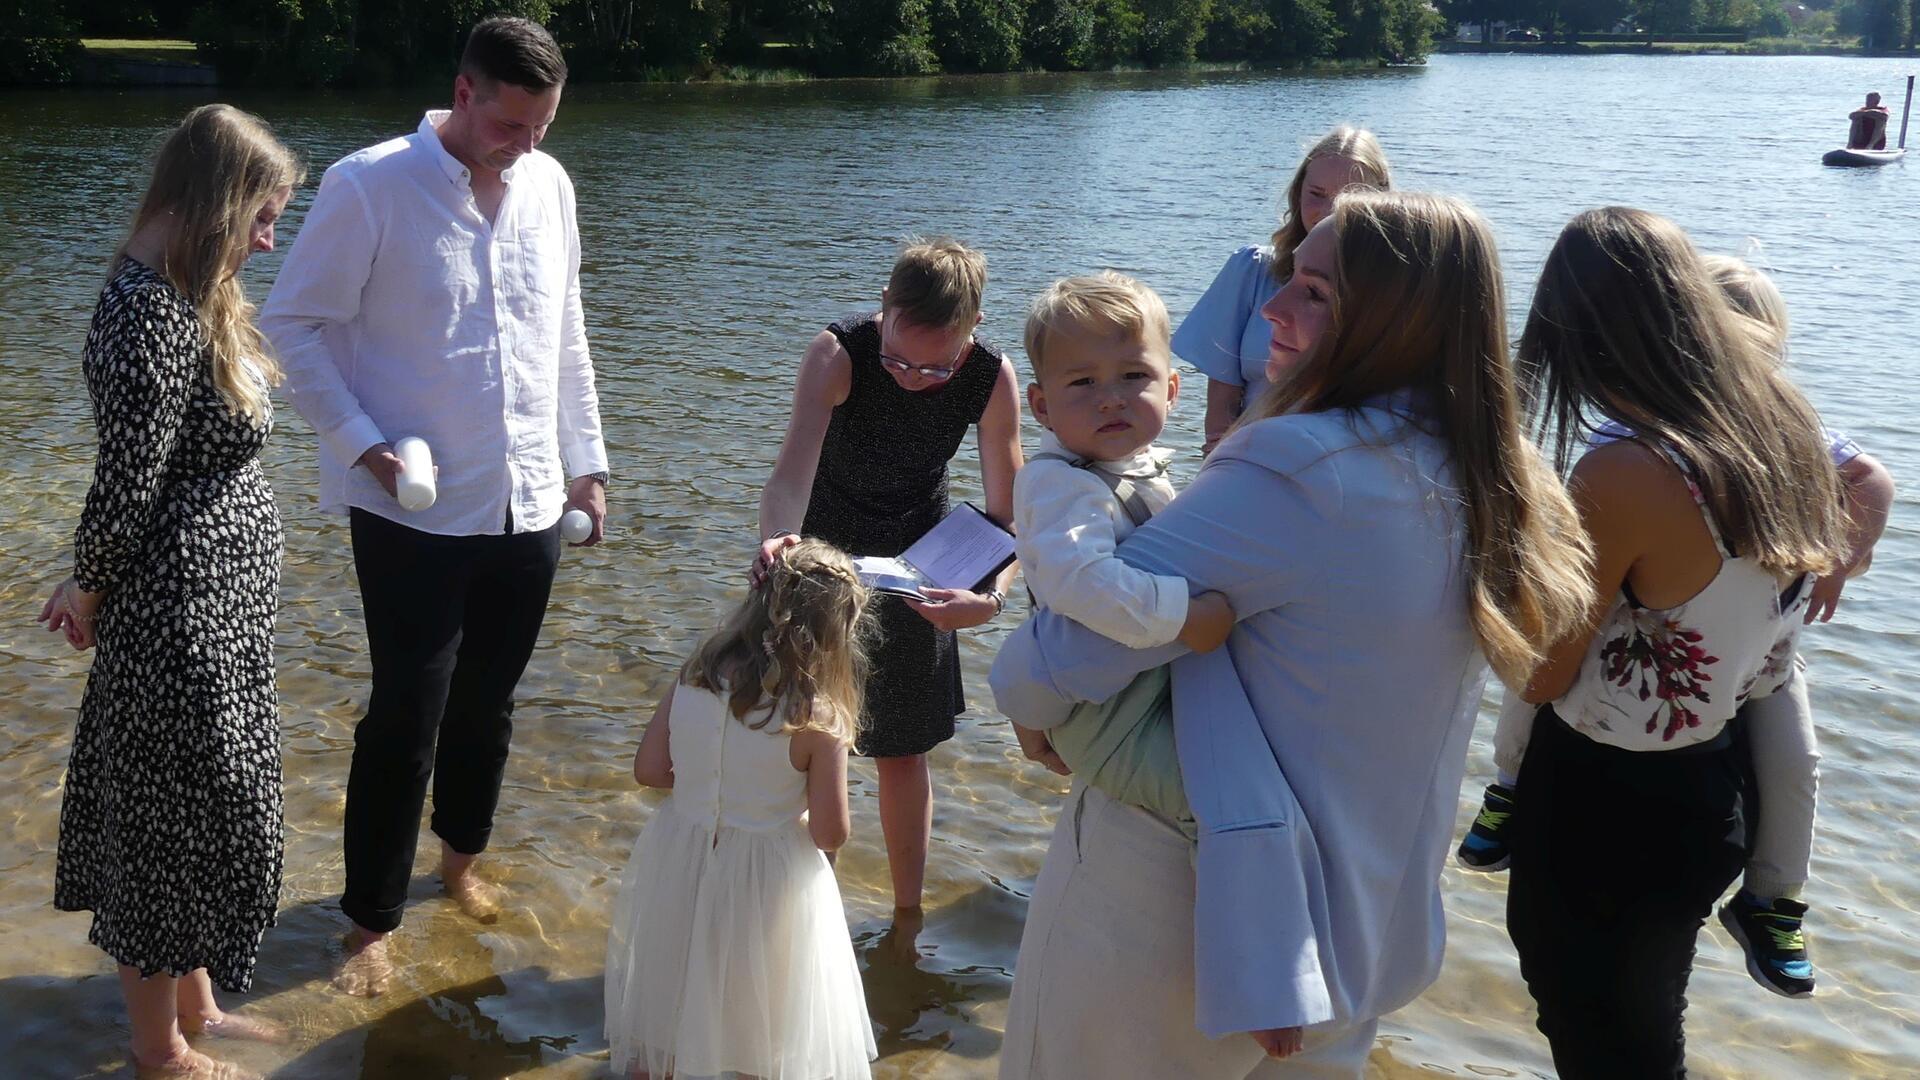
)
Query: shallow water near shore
[{"x": 722, "y": 226}]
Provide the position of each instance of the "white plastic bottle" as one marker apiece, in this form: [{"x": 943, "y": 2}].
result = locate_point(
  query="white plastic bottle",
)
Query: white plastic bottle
[{"x": 415, "y": 488}]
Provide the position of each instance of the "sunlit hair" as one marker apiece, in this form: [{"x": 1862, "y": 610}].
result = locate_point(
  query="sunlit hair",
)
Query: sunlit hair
[
  {"x": 211, "y": 178},
  {"x": 1751, "y": 292},
  {"x": 796, "y": 646},
  {"x": 1110, "y": 305},
  {"x": 1354, "y": 144},
  {"x": 1628, "y": 324},
  {"x": 937, "y": 284},
  {"x": 1417, "y": 305}
]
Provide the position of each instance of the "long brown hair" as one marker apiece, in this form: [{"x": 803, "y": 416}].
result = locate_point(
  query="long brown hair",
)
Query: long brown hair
[
  {"x": 796, "y": 645},
  {"x": 1628, "y": 323},
  {"x": 1357, "y": 145},
  {"x": 1418, "y": 305},
  {"x": 211, "y": 177}
]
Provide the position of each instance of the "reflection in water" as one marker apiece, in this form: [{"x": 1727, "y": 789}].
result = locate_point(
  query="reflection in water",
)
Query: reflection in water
[{"x": 721, "y": 226}]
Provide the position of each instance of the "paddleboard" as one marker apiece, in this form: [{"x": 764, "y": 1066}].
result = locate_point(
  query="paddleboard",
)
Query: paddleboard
[{"x": 1862, "y": 157}]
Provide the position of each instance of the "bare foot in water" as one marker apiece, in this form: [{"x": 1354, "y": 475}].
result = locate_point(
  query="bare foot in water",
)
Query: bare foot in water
[
  {"x": 901, "y": 941},
  {"x": 479, "y": 900},
  {"x": 228, "y": 1025},
  {"x": 366, "y": 969},
  {"x": 188, "y": 1064}
]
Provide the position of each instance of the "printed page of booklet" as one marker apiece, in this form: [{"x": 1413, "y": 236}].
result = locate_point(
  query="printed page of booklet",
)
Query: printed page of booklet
[{"x": 961, "y": 552}]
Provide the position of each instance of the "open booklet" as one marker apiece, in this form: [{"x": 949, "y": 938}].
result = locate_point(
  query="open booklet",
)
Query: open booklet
[{"x": 964, "y": 551}]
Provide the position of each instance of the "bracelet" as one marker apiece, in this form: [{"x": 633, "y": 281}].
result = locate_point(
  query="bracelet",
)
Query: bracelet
[
  {"x": 73, "y": 611},
  {"x": 783, "y": 533},
  {"x": 999, "y": 601}
]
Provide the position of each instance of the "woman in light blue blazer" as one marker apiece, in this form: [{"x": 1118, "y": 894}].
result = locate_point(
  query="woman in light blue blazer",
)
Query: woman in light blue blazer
[{"x": 1385, "y": 532}]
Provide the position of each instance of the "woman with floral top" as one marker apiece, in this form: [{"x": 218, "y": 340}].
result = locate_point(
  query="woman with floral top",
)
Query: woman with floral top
[{"x": 1709, "y": 525}]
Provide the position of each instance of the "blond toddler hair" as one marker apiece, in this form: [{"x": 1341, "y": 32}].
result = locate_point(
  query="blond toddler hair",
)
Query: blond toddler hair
[{"x": 1108, "y": 304}]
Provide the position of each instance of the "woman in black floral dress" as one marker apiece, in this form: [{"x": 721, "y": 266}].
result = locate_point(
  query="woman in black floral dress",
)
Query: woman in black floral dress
[{"x": 170, "y": 832}]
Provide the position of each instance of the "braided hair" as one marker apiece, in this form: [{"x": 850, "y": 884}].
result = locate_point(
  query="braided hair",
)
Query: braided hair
[{"x": 795, "y": 647}]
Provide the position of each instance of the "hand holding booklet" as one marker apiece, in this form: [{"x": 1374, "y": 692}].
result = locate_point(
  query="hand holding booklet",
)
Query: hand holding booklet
[{"x": 964, "y": 551}]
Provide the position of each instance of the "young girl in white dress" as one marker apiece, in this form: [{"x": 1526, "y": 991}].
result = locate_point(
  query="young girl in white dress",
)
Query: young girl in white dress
[{"x": 729, "y": 956}]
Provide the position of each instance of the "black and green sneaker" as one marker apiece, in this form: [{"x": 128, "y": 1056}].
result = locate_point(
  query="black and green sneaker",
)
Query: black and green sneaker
[
  {"x": 1772, "y": 939},
  {"x": 1484, "y": 848}
]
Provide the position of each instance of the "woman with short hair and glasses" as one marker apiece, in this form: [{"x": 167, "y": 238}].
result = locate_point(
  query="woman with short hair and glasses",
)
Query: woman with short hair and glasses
[{"x": 881, "y": 405}]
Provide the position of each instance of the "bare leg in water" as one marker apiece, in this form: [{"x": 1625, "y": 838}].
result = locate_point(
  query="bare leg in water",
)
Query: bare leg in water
[
  {"x": 160, "y": 1049},
  {"x": 201, "y": 1014},
  {"x": 906, "y": 823}
]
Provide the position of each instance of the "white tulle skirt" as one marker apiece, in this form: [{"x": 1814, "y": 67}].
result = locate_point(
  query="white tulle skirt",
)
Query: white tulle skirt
[{"x": 731, "y": 960}]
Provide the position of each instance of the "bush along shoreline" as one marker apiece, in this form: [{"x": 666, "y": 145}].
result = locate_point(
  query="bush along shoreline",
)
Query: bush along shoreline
[{"x": 373, "y": 43}]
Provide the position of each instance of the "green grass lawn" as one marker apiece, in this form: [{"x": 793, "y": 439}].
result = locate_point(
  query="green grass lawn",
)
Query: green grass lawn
[{"x": 154, "y": 50}]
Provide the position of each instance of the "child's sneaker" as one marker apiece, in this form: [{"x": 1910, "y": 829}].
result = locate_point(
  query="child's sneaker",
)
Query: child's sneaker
[
  {"x": 1485, "y": 846},
  {"x": 1770, "y": 936}
]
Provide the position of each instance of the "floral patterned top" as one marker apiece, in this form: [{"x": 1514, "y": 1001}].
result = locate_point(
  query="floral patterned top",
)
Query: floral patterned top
[{"x": 1661, "y": 679}]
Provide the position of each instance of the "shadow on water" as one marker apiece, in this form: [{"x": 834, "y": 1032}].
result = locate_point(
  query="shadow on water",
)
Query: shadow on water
[
  {"x": 924, "y": 983},
  {"x": 63, "y": 1026},
  {"x": 472, "y": 1031},
  {"x": 924, "y": 986},
  {"x": 489, "y": 1028}
]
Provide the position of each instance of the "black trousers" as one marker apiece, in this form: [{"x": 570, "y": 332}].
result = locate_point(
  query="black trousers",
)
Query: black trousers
[
  {"x": 1618, "y": 858},
  {"x": 451, "y": 623}
]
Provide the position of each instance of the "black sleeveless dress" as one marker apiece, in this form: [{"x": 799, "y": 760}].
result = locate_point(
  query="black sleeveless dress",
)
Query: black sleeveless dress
[{"x": 882, "y": 483}]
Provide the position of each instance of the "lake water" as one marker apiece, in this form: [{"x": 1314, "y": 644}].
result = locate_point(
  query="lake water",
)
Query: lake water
[{"x": 722, "y": 227}]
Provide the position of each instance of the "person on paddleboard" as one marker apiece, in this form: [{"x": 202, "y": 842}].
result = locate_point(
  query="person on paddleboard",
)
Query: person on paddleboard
[{"x": 1868, "y": 130}]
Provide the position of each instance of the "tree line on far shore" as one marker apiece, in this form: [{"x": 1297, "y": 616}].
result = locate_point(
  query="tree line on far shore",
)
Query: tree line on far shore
[
  {"x": 1879, "y": 25},
  {"x": 374, "y": 42}
]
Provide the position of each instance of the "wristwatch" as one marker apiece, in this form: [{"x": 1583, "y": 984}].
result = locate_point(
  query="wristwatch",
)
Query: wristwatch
[
  {"x": 999, "y": 601},
  {"x": 603, "y": 476}
]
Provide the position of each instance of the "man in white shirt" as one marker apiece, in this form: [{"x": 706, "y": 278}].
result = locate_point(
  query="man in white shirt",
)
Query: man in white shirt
[{"x": 434, "y": 291}]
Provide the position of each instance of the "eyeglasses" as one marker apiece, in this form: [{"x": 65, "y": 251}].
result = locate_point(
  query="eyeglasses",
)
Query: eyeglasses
[
  {"x": 901, "y": 367},
  {"x": 937, "y": 374}
]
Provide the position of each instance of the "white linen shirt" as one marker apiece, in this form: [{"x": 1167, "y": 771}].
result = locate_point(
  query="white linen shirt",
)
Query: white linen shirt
[
  {"x": 401, "y": 310},
  {"x": 1068, "y": 523}
]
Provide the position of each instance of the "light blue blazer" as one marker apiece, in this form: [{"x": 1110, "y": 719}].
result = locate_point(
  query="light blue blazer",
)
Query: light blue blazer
[
  {"x": 1225, "y": 335},
  {"x": 1323, "y": 748}
]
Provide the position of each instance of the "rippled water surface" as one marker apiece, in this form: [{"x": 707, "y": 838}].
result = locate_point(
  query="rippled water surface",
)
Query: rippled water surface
[{"x": 722, "y": 227}]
